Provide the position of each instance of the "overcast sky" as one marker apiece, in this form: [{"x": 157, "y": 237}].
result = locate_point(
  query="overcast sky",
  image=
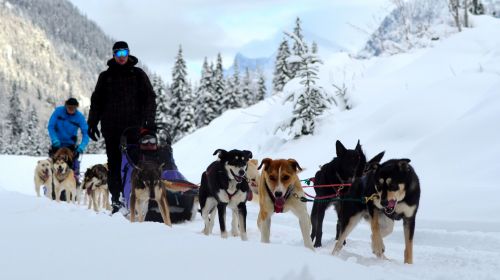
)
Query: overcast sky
[{"x": 154, "y": 29}]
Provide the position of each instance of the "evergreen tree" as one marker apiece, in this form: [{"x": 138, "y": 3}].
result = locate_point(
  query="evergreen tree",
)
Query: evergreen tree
[
  {"x": 233, "y": 96},
  {"x": 248, "y": 96},
  {"x": 219, "y": 86},
  {"x": 281, "y": 75},
  {"x": 311, "y": 100},
  {"x": 179, "y": 88},
  {"x": 206, "y": 105},
  {"x": 34, "y": 141},
  {"x": 187, "y": 118},
  {"x": 14, "y": 116},
  {"x": 162, "y": 116},
  {"x": 261, "y": 88},
  {"x": 297, "y": 49},
  {"x": 314, "y": 48}
]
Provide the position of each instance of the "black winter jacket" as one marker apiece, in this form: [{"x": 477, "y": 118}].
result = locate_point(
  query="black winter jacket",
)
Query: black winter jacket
[{"x": 123, "y": 97}]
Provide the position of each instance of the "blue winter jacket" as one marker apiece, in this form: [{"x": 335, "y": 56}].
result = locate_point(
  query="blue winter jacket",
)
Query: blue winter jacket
[{"x": 64, "y": 127}]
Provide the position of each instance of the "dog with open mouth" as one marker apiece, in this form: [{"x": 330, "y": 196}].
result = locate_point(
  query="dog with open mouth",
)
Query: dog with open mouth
[
  {"x": 63, "y": 175},
  {"x": 43, "y": 176},
  {"x": 279, "y": 192},
  {"x": 393, "y": 190},
  {"x": 224, "y": 184}
]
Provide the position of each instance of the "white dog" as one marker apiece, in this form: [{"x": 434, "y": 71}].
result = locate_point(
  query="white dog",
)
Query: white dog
[{"x": 43, "y": 176}]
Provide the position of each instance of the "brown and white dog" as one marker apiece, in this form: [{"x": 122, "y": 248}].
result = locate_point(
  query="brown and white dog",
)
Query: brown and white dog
[
  {"x": 95, "y": 186},
  {"x": 63, "y": 175},
  {"x": 43, "y": 176},
  {"x": 280, "y": 191},
  {"x": 147, "y": 184}
]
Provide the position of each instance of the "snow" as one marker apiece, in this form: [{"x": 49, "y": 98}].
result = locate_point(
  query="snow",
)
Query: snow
[{"x": 437, "y": 106}]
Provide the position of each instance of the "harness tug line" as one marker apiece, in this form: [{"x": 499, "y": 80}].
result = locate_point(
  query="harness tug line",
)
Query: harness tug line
[{"x": 337, "y": 196}]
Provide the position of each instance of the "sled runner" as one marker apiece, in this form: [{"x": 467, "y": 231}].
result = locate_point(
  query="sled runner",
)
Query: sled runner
[{"x": 139, "y": 144}]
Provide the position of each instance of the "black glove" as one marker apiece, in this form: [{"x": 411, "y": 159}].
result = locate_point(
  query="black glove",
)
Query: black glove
[{"x": 94, "y": 133}]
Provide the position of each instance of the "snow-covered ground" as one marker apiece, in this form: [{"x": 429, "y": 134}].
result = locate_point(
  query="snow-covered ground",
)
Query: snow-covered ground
[{"x": 439, "y": 107}]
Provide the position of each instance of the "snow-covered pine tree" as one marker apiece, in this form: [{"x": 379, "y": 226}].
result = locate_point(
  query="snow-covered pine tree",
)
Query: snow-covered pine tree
[
  {"x": 219, "y": 85},
  {"x": 179, "y": 88},
  {"x": 281, "y": 75},
  {"x": 15, "y": 124},
  {"x": 162, "y": 116},
  {"x": 187, "y": 118},
  {"x": 248, "y": 96},
  {"x": 33, "y": 141},
  {"x": 297, "y": 50},
  {"x": 233, "y": 96},
  {"x": 206, "y": 104},
  {"x": 311, "y": 100},
  {"x": 14, "y": 116},
  {"x": 314, "y": 48},
  {"x": 261, "y": 88}
]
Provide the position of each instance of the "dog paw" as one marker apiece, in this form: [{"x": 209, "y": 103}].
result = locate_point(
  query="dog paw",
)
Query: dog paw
[
  {"x": 378, "y": 249},
  {"x": 337, "y": 248},
  {"x": 234, "y": 232},
  {"x": 206, "y": 231},
  {"x": 244, "y": 236},
  {"x": 224, "y": 234}
]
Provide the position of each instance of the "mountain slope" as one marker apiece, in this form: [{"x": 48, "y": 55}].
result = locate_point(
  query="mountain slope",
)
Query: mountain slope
[
  {"x": 435, "y": 106},
  {"x": 49, "y": 51}
]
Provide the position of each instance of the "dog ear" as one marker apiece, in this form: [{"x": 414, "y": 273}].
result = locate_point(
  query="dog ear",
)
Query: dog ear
[
  {"x": 248, "y": 153},
  {"x": 404, "y": 164},
  {"x": 377, "y": 158},
  {"x": 358, "y": 147},
  {"x": 266, "y": 162},
  {"x": 340, "y": 148},
  {"x": 221, "y": 153},
  {"x": 294, "y": 164},
  {"x": 50, "y": 160}
]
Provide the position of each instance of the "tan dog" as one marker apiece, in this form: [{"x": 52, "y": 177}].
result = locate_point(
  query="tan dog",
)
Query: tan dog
[
  {"x": 95, "y": 186},
  {"x": 43, "y": 176},
  {"x": 147, "y": 184},
  {"x": 279, "y": 192},
  {"x": 63, "y": 175}
]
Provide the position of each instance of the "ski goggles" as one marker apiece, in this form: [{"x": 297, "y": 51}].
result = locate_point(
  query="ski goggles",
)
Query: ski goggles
[
  {"x": 148, "y": 140},
  {"x": 121, "y": 52}
]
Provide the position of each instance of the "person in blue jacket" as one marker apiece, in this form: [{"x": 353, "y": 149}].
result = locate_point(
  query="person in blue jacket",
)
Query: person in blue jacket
[{"x": 63, "y": 130}]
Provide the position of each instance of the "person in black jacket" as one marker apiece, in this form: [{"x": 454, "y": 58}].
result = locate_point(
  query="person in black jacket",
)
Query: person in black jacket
[{"x": 123, "y": 97}]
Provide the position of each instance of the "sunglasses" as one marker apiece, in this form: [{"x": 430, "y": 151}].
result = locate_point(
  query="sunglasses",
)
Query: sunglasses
[
  {"x": 121, "y": 52},
  {"x": 148, "y": 140}
]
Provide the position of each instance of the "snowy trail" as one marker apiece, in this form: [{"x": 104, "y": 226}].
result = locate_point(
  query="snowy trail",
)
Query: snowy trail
[{"x": 38, "y": 231}]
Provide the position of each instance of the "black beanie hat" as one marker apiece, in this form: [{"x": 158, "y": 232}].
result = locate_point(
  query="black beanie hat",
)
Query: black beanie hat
[
  {"x": 120, "y": 45},
  {"x": 71, "y": 101}
]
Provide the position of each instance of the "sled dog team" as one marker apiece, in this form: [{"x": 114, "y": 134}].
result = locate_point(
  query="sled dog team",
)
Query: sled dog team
[
  {"x": 56, "y": 175},
  {"x": 379, "y": 192}
]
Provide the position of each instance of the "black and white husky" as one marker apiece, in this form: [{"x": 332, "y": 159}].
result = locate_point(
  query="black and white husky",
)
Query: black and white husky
[{"x": 224, "y": 184}]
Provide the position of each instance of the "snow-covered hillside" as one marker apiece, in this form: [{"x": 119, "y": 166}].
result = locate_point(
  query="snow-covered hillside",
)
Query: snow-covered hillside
[{"x": 436, "y": 106}]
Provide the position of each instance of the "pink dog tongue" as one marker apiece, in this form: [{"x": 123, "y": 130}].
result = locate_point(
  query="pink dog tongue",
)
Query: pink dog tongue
[
  {"x": 391, "y": 204},
  {"x": 279, "y": 203}
]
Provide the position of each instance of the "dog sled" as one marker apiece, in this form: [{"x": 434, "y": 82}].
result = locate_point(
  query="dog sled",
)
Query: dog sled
[{"x": 138, "y": 144}]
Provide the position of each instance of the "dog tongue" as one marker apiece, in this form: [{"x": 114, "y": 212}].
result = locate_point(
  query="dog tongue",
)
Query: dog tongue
[
  {"x": 391, "y": 204},
  {"x": 279, "y": 203}
]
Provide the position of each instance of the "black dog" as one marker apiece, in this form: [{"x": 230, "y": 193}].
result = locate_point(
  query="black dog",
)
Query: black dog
[
  {"x": 348, "y": 165},
  {"x": 395, "y": 189},
  {"x": 224, "y": 184}
]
